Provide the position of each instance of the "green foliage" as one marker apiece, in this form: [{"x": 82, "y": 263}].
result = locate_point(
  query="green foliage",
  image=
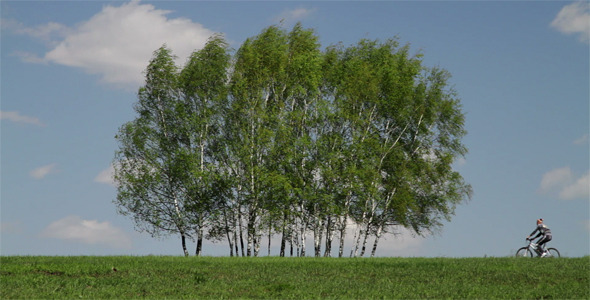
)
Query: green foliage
[
  {"x": 293, "y": 278},
  {"x": 282, "y": 137}
]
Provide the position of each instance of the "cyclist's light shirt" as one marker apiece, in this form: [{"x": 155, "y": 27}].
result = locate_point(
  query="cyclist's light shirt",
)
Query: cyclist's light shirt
[{"x": 542, "y": 229}]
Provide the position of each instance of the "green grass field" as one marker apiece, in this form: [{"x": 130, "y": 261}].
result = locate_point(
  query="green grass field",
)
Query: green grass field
[{"x": 287, "y": 278}]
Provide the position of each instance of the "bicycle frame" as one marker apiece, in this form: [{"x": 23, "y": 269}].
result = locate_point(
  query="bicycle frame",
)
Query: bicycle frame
[{"x": 534, "y": 248}]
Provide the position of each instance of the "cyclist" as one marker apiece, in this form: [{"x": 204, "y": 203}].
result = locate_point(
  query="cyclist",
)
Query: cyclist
[{"x": 545, "y": 232}]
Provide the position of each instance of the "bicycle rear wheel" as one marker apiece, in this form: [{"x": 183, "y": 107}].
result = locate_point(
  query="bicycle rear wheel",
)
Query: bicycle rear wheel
[
  {"x": 524, "y": 252},
  {"x": 553, "y": 252}
]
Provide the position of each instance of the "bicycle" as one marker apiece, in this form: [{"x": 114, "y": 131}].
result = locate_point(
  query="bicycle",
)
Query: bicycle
[{"x": 533, "y": 248}]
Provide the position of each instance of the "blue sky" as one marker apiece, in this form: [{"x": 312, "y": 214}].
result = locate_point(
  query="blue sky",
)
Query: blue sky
[{"x": 70, "y": 72}]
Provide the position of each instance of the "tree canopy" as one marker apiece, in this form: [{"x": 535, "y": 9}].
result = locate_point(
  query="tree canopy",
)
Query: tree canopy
[{"x": 282, "y": 138}]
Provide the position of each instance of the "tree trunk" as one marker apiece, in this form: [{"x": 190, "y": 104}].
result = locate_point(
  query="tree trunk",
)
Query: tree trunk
[
  {"x": 257, "y": 241},
  {"x": 228, "y": 233},
  {"x": 329, "y": 237},
  {"x": 317, "y": 236},
  {"x": 377, "y": 237},
  {"x": 365, "y": 238},
  {"x": 250, "y": 241},
  {"x": 357, "y": 237},
  {"x": 251, "y": 232},
  {"x": 199, "y": 242},
  {"x": 231, "y": 246},
  {"x": 269, "y": 237},
  {"x": 291, "y": 243},
  {"x": 342, "y": 236},
  {"x": 236, "y": 243},
  {"x": 381, "y": 223},
  {"x": 183, "y": 240},
  {"x": 241, "y": 233},
  {"x": 344, "y": 224},
  {"x": 302, "y": 238},
  {"x": 283, "y": 237}
]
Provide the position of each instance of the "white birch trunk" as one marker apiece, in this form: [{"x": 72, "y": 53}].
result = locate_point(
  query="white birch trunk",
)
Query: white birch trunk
[
  {"x": 329, "y": 238},
  {"x": 250, "y": 241},
  {"x": 355, "y": 239},
  {"x": 269, "y": 237},
  {"x": 342, "y": 236},
  {"x": 228, "y": 234},
  {"x": 317, "y": 234},
  {"x": 256, "y": 245},
  {"x": 302, "y": 242},
  {"x": 183, "y": 241},
  {"x": 295, "y": 240},
  {"x": 377, "y": 237},
  {"x": 179, "y": 224},
  {"x": 302, "y": 233},
  {"x": 380, "y": 228}
]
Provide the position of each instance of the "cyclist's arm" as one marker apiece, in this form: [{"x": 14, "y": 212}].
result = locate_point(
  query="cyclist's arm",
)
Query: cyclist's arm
[{"x": 532, "y": 233}]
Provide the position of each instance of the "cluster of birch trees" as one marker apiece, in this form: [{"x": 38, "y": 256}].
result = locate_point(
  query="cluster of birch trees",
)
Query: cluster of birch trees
[{"x": 281, "y": 140}]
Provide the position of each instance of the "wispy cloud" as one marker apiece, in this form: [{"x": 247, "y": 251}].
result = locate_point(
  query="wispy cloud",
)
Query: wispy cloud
[
  {"x": 91, "y": 232},
  {"x": 556, "y": 178},
  {"x": 46, "y": 32},
  {"x": 16, "y": 117},
  {"x": 574, "y": 19},
  {"x": 294, "y": 15},
  {"x": 118, "y": 42},
  {"x": 403, "y": 243},
  {"x": 399, "y": 242},
  {"x": 580, "y": 188},
  {"x": 583, "y": 140},
  {"x": 460, "y": 161},
  {"x": 106, "y": 176},
  {"x": 43, "y": 171},
  {"x": 565, "y": 185}
]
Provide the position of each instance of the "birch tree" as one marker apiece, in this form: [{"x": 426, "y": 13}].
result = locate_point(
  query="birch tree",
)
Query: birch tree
[
  {"x": 148, "y": 164},
  {"x": 400, "y": 117},
  {"x": 256, "y": 89},
  {"x": 283, "y": 138},
  {"x": 300, "y": 117},
  {"x": 203, "y": 83}
]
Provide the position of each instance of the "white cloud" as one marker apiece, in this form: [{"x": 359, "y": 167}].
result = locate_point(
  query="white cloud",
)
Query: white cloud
[
  {"x": 563, "y": 183},
  {"x": 461, "y": 161},
  {"x": 399, "y": 243},
  {"x": 556, "y": 178},
  {"x": 404, "y": 243},
  {"x": 43, "y": 171},
  {"x": 46, "y": 32},
  {"x": 118, "y": 42},
  {"x": 576, "y": 190},
  {"x": 574, "y": 19},
  {"x": 91, "y": 232},
  {"x": 583, "y": 140},
  {"x": 30, "y": 57},
  {"x": 106, "y": 176},
  {"x": 16, "y": 117},
  {"x": 294, "y": 15}
]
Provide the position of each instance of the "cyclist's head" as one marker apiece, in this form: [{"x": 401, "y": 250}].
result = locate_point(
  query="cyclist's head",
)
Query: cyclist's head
[{"x": 539, "y": 221}]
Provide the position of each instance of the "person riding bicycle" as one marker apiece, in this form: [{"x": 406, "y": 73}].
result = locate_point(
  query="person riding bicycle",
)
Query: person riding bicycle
[{"x": 545, "y": 232}]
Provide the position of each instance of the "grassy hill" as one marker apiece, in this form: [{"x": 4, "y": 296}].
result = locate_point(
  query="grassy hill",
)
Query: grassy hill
[{"x": 299, "y": 278}]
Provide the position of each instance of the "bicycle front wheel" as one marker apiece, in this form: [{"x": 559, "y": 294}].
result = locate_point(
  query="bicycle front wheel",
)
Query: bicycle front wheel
[
  {"x": 553, "y": 252},
  {"x": 524, "y": 252}
]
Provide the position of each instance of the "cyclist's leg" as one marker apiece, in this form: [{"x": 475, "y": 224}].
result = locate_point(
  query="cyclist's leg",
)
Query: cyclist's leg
[{"x": 542, "y": 242}]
